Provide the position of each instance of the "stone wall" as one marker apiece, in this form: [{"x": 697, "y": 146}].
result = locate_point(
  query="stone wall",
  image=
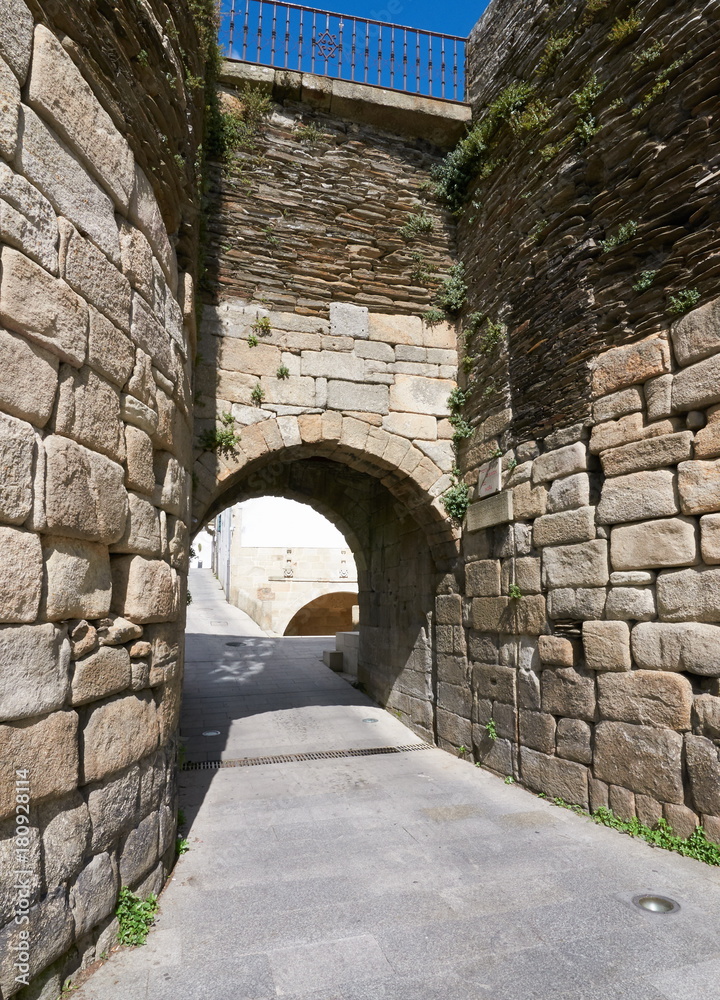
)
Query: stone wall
[
  {"x": 273, "y": 584},
  {"x": 587, "y": 617},
  {"x": 95, "y": 326},
  {"x": 313, "y": 346}
]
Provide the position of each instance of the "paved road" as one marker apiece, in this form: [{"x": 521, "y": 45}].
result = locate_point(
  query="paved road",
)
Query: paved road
[{"x": 410, "y": 876}]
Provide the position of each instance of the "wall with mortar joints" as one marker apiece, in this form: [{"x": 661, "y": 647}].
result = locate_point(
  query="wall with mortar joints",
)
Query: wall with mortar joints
[
  {"x": 598, "y": 675},
  {"x": 299, "y": 222},
  {"x": 96, "y": 323},
  {"x": 310, "y": 264}
]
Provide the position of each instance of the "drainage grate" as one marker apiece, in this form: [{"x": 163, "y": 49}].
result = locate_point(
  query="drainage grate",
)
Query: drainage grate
[{"x": 289, "y": 758}]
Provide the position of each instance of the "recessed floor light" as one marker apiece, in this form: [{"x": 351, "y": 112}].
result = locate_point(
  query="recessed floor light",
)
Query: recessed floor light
[
  {"x": 370, "y": 720},
  {"x": 211, "y": 732},
  {"x": 656, "y": 904}
]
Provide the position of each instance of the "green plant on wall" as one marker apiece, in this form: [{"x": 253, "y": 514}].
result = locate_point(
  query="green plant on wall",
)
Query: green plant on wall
[
  {"x": 660, "y": 85},
  {"x": 644, "y": 281},
  {"x": 463, "y": 164},
  {"x": 419, "y": 224},
  {"x": 450, "y": 296},
  {"x": 258, "y": 394},
  {"x": 624, "y": 27},
  {"x": 623, "y": 234},
  {"x": 555, "y": 48},
  {"x": 135, "y": 916},
  {"x": 650, "y": 54},
  {"x": 685, "y": 300},
  {"x": 241, "y": 127},
  {"x": 262, "y": 326},
  {"x": 584, "y": 100},
  {"x": 457, "y": 399},
  {"x": 494, "y": 334},
  {"x": 456, "y": 499},
  {"x": 421, "y": 271},
  {"x": 433, "y": 316},
  {"x": 221, "y": 440},
  {"x": 310, "y": 133}
]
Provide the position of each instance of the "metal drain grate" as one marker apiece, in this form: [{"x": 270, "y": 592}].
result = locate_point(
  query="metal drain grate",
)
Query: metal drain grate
[{"x": 290, "y": 758}]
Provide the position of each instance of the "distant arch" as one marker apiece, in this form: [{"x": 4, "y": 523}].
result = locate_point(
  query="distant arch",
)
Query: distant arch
[{"x": 324, "y": 615}]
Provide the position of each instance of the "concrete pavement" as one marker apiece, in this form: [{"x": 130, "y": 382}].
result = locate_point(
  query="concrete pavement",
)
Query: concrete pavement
[{"x": 409, "y": 876}]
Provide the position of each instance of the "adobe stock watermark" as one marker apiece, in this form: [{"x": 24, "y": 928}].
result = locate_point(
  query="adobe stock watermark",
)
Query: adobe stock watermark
[{"x": 23, "y": 876}]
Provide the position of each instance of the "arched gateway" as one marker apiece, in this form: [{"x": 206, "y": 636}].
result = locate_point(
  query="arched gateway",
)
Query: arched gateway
[{"x": 378, "y": 474}]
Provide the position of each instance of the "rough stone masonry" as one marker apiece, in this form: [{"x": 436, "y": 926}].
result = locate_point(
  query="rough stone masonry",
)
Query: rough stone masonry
[{"x": 96, "y": 334}]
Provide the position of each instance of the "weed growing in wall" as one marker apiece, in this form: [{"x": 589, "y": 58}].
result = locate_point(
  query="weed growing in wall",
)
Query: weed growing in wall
[
  {"x": 644, "y": 281},
  {"x": 660, "y": 835},
  {"x": 456, "y": 499},
  {"x": 553, "y": 148},
  {"x": 494, "y": 335},
  {"x": 624, "y": 27},
  {"x": 584, "y": 100},
  {"x": 685, "y": 300},
  {"x": 421, "y": 271},
  {"x": 555, "y": 49},
  {"x": 252, "y": 340},
  {"x": 262, "y": 326},
  {"x": 624, "y": 233},
  {"x": 648, "y": 55},
  {"x": 241, "y": 128},
  {"x": 661, "y": 84},
  {"x": 419, "y": 224},
  {"x": 491, "y": 730},
  {"x": 258, "y": 394},
  {"x": 221, "y": 440},
  {"x": 135, "y": 916},
  {"x": 434, "y": 316},
  {"x": 283, "y": 372},
  {"x": 460, "y": 167},
  {"x": 514, "y": 592},
  {"x": 534, "y": 116},
  {"x": 310, "y": 133},
  {"x": 450, "y": 296}
]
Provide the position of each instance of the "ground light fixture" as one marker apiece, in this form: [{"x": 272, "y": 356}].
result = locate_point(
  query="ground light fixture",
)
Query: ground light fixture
[
  {"x": 211, "y": 732},
  {"x": 370, "y": 720},
  {"x": 653, "y": 903}
]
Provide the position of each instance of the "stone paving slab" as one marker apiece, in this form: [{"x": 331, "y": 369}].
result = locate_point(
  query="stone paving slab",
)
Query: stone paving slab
[{"x": 411, "y": 876}]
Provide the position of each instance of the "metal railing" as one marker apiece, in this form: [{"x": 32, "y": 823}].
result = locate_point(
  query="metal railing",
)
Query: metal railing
[{"x": 288, "y": 36}]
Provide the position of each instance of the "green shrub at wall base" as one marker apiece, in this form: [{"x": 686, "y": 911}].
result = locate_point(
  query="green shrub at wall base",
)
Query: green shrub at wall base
[{"x": 135, "y": 916}]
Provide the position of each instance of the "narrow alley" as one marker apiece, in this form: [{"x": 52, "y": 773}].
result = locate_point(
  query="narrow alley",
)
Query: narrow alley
[{"x": 407, "y": 875}]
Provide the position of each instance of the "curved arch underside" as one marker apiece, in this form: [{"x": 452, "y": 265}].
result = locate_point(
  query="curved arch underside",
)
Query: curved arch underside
[
  {"x": 324, "y": 615},
  {"x": 399, "y": 533},
  {"x": 258, "y": 467}
]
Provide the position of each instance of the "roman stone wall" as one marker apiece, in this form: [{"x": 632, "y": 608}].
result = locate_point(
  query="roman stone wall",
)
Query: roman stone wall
[
  {"x": 96, "y": 322},
  {"x": 587, "y": 617},
  {"x": 313, "y": 346}
]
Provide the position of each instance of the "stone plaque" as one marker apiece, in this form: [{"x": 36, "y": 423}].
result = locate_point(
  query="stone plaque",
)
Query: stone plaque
[
  {"x": 488, "y": 478},
  {"x": 485, "y": 513}
]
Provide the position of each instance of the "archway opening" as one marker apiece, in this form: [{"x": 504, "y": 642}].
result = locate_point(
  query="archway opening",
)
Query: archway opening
[
  {"x": 402, "y": 546},
  {"x": 275, "y": 556},
  {"x": 326, "y": 615}
]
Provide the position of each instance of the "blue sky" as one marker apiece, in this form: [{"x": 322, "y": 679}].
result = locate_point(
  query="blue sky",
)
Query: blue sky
[{"x": 450, "y": 19}]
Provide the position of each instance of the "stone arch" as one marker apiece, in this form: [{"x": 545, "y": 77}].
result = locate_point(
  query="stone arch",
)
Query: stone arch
[
  {"x": 322, "y": 602},
  {"x": 410, "y": 476},
  {"x": 384, "y": 494}
]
